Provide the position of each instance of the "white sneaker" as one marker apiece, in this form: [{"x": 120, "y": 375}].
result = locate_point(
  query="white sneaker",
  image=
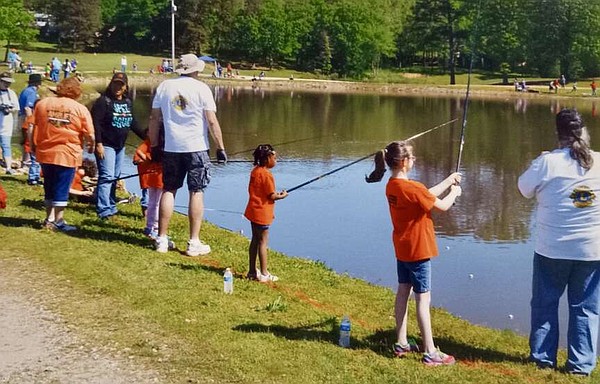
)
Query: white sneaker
[
  {"x": 268, "y": 278},
  {"x": 197, "y": 248},
  {"x": 163, "y": 244}
]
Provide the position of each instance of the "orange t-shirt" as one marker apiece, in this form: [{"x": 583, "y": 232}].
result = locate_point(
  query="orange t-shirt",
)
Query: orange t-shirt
[
  {"x": 77, "y": 183},
  {"x": 25, "y": 127},
  {"x": 150, "y": 172},
  {"x": 60, "y": 126},
  {"x": 410, "y": 209},
  {"x": 261, "y": 207}
]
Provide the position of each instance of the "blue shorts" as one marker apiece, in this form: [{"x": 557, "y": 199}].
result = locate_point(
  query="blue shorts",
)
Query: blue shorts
[
  {"x": 176, "y": 166},
  {"x": 57, "y": 182},
  {"x": 416, "y": 273},
  {"x": 259, "y": 226}
]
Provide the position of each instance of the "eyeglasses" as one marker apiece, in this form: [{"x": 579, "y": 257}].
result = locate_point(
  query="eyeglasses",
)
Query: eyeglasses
[{"x": 413, "y": 158}]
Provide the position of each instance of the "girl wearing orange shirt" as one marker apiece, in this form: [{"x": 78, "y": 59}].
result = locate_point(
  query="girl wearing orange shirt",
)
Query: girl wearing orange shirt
[
  {"x": 260, "y": 210},
  {"x": 410, "y": 204},
  {"x": 151, "y": 179}
]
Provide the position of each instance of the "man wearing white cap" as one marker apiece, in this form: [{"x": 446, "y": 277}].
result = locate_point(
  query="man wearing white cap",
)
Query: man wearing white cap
[
  {"x": 9, "y": 108},
  {"x": 186, "y": 107}
]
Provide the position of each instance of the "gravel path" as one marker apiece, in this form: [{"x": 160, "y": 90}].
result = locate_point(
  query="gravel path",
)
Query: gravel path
[{"x": 36, "y": 346}]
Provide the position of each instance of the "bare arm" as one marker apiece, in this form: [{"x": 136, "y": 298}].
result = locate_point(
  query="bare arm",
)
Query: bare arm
[
  {"x": 447, "y": 202},
  {"x": 154, "y": 126},
  {"x": 453, "y": 179},
  {"x": 214, "y": 128},
  {"x": 278, "y": 195}
]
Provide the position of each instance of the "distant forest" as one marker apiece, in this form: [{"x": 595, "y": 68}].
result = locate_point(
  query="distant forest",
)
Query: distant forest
[{"x": 344, "y": 38}]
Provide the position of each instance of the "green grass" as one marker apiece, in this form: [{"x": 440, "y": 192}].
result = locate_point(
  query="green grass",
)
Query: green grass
[{"x": 169, "y": 312}]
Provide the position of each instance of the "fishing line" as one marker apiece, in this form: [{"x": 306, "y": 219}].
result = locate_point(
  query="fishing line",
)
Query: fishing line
[
  {"x": 364, "y": 157},
  {"x": 278, "y": 145}
]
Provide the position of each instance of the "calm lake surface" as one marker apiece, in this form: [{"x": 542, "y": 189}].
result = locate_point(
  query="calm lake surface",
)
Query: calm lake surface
[{"x": 483, "y": 273}]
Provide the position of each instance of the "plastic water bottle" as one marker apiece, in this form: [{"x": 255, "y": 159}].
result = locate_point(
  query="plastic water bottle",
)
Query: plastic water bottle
[
  {"x": 345, "y": 327},
  {"x": 228, "y": 281}
]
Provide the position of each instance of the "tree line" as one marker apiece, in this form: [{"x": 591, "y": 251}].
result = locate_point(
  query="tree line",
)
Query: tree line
[{"x": 345, "y": 38}]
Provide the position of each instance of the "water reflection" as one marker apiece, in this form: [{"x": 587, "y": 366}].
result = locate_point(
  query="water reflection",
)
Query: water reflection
[{"x": 484, "y": 271}]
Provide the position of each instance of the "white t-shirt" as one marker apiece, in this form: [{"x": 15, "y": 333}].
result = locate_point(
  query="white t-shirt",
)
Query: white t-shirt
[
  {"x": 183, "y": 101},
  {"x": 7, "y": 122},
  {"x": 568, "y": 205}
]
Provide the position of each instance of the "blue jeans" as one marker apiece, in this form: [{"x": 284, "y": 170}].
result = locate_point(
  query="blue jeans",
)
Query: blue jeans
[
  {"x": 6, "y": 149},
  {"x": 109, "y": 168},
  {"x": 34, "y": 169},
  {"x": 582, "y": 280}
]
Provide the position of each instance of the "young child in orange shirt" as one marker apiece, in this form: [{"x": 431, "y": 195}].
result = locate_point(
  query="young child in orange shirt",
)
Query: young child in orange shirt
[
  {"x": 150, "y": 175},
  {"x": 260, "y": 210},
  {"x": 83, "y": 185},
  {"x": 410, "y": 204}
]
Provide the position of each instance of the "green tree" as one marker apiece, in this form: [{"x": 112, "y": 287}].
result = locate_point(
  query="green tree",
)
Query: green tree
[
  {"x": 78, "y": 22},
  {"x": 500, "y": 26},
  {"x": 437, "y": 30},
  {"x": 564, "y": 37},
  {"x": 17, "y": 25}
]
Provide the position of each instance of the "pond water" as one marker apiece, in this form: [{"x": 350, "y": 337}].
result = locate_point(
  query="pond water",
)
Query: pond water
[{"x": 483, "y": 273}]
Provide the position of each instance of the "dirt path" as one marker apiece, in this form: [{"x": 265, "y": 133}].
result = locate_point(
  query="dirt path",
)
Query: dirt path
[{"x": 36, "y": 346}]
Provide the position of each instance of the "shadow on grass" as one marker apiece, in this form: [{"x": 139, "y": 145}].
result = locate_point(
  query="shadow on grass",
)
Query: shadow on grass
[
  {"x": 20, "y": 222},
  {"x": 196, "y": 267},
  {"x": 34, "y": 204},
  {"x": 379, "y": 342},
  {"x": 312, "y": 332}
]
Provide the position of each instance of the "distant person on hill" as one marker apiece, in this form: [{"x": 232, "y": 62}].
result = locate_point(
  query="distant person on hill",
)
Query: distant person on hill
[
  {"x": 113, "y": 118},
  {"x": 123, "y": 64},
  {"x": 62, "y": 127},
  {"x": 566, "y": 185},
  {"x": 187, "y": 108},
  {"x": 55, "y": 72},
  {"x": 260, "y": 210},
  {"x": 411, "y": 204}
]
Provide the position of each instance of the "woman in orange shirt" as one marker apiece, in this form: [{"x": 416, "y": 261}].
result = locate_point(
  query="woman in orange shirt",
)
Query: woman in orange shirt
[
  {"x": 410, "y": 204},
  {"x": 260, "y": 210},
  {"x": 62, "y": 126}
]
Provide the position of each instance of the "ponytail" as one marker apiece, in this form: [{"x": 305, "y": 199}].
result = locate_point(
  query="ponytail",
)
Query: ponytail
[
  {"x": 573, "y": 134},
  {"x": 377, "y": 174}
]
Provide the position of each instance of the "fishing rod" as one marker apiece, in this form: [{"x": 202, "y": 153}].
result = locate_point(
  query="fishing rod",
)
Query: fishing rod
[
  {"x": 365, "y": 157},
  {"x": 466, "y": 103},
  {"x": 121, "y": 178}
]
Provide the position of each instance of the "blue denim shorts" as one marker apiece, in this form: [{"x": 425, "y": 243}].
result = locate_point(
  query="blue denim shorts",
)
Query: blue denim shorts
[
  {"x": 57, "y": 182},
  {"x": 416, "y": 273},
  {"x": 194, "y": 165},
  {"x": 259, "y": 226}
]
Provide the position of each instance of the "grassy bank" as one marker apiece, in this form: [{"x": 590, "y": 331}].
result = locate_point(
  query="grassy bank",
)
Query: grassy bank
[{"x": 168, "y": 312}]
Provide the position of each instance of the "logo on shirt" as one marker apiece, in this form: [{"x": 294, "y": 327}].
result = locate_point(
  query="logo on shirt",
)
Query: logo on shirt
[
  {"x": 122, "y": 116},
  {"x": 59, "y": 119},
  {"x": 582, "y": 196},
  {"x": 179, "y": 102}
]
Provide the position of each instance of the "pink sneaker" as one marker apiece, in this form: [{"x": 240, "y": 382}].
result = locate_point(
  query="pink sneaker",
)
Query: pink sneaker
[
  {"x": 402, "y": 350},
  {"x": 437, "y": 358}
]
